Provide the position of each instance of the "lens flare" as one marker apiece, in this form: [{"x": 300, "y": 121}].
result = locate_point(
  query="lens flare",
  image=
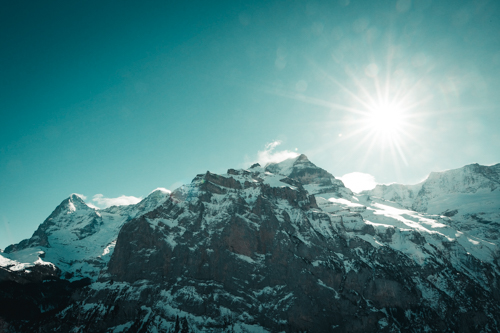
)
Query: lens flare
[{"x": 378, "y": 109}]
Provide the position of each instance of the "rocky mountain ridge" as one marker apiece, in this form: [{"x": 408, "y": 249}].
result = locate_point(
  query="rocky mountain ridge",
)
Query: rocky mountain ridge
[
  {"x": 282, "y": 247},
  {"x": 470, "y": 195},
  {"x": 79, "y": 238}
]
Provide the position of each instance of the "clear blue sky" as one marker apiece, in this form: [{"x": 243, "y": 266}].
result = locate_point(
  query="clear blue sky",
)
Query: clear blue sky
[{"x": 121, "y": 97}]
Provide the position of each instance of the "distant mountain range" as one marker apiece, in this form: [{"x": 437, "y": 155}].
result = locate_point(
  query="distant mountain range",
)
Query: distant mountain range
[{"x": 284, "y": 247}]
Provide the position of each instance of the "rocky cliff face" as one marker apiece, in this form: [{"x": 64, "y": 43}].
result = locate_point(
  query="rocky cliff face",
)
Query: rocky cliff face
[
  {"x": 284, "y": 247},
  {"x": 77, "y": 238}
]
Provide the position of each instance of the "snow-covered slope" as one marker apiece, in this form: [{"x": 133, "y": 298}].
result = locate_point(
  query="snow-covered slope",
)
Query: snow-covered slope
[
  {"x": 445, "y": 190},
  {"x": 282, "y": 247},
  {"x": 402, "y": 194},
  {"x": 315, "y": 180},
  {"x": 469, "y": 197},
  {"x": 77, "y": 238}
]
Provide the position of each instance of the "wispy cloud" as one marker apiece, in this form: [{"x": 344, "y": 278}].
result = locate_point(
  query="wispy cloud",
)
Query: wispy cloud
[
  {"x": 83, "y": 197},
  {"x": 358, "y": 181},
  {"x": 269, "y": 155},
  {"x": 124, "y": 200}
]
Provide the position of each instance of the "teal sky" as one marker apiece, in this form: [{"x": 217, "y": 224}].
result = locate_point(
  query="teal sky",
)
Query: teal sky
[{"x": 121, "y": 97}]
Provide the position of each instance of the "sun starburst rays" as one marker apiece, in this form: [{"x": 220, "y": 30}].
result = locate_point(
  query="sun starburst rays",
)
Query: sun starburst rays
[
  {"x": 376, "y": 114},
  {"x": 386, "y": 114}
]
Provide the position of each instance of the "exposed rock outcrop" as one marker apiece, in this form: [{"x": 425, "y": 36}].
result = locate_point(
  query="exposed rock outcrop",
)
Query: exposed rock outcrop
[{"x": 286, "y": 247}]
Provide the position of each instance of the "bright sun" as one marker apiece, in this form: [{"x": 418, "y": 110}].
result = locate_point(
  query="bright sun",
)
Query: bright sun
[
  {"x": 381, "y": 113},
  {"x": 385, "y": 120},
  {"x": 382, "y": 116}
]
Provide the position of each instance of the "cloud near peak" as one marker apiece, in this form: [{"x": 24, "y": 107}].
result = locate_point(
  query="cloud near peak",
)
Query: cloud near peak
[
  {"x": 269, "y": 155},
  {"x": 358, "y": 181},
  {"x": 124, "y": 200},
  {"x": 83, "y": 197}
]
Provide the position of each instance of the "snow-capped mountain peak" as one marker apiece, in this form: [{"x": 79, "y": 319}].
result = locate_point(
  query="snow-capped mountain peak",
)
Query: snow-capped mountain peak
[
  {"x": 471, "y": 195},
  {"x": 291, "y": 165},
  {"x": 153, "y": 200},
  {"x": 468, "y": 179},
  {"x": 245, "y": 250},
  {"x": 75, "y": 202},
  {"x": 316, "y": 180},
  {"x": 78, "y": 238}
]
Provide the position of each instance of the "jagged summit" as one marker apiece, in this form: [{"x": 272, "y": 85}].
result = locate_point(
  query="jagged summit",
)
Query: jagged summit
[
  {"x": 302, "y": 157},
  {"x": 153, "y": 200},
  {"x": 75, "y": 196},
  {"x": 298, "y": 169},
  {"x": 287, "y": 166},
  {"x": 79, "y": 239},
  {"x": 315, "y": 179},
  {"x": 76, "y": 202},
  {"x": 255, "y": 165},
  {"x": 72, "y": 210},
  {"x": 280, "y": 248}
]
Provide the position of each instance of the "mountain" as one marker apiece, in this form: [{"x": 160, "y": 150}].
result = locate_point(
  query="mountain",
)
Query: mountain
[
  {"x": 470, "y": 195},
  {"x": 284, "y": 247},
  {"x": 77, "y": 238}
]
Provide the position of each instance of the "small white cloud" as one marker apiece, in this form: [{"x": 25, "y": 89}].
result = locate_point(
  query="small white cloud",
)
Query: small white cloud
[
  {"x": 271, "y": 156},
  {"x": 358, "y": 181},
  {"x": 123, "y": 200}
]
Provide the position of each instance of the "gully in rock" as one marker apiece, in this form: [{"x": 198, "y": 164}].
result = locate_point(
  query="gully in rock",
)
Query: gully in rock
[{"x": 281, "y": 247}]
